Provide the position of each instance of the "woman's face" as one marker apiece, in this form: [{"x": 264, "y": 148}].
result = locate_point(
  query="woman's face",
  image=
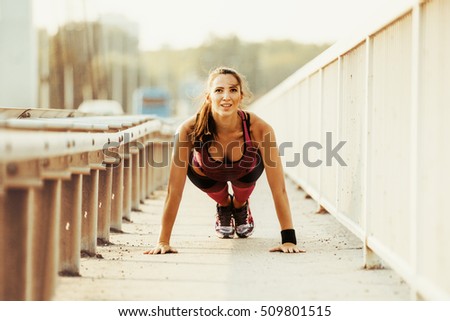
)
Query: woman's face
[{"x": 225, "y": 95}]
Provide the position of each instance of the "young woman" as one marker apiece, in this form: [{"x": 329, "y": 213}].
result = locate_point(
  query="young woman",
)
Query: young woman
[{"x": 220, "y": 146}]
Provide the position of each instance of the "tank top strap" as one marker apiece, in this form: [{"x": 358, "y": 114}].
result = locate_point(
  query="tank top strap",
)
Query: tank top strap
[{"x": 245, "y": 125}]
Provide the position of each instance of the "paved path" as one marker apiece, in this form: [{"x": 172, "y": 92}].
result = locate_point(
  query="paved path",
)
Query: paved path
[{"x": 208, "y": 268}]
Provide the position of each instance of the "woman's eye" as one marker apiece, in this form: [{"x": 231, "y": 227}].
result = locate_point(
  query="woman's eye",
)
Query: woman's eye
[
  {"x": 218, "y": 90},
  {"x": 233, "y": 90}
]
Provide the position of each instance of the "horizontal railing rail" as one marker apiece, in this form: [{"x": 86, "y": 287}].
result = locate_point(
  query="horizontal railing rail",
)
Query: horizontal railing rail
[
  {"x": 364, "y": 130},
  {"x": 68, "y": 179}
]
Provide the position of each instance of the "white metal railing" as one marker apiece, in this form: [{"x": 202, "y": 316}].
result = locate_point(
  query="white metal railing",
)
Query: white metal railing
[
  {"x": 386, "y": 94},
  {"x": 66, "y": 180}
]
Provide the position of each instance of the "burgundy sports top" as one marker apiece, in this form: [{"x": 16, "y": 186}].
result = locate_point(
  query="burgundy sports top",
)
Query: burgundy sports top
[{"x": 227, "y": 170}]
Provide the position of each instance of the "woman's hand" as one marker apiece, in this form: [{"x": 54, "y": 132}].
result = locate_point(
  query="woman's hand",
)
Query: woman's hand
[
  {"x": 287, "y": 248},
  {"x": 161, "y": 248}
]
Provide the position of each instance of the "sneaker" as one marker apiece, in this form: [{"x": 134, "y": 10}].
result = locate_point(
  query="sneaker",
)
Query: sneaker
[
  {"x": 243, "y": 220},
  {"x": 224, "y": 221}
]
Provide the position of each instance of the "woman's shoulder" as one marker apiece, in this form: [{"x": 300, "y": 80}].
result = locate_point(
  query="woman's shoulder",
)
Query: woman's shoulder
[
  {"x": 186, "y": 127},
  {"x": 259, "y": 126}
]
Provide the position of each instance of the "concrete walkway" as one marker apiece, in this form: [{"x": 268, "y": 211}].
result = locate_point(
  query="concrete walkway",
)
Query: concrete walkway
[{"x": 208, "y": 268}]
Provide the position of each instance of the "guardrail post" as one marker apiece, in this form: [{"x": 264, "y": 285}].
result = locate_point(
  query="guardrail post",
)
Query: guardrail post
[
  {"x": 151, "y": 169},
  {"x": 127, "y": 181},
  {"x": 89, "y": 212},
  {"x": 18, "y": 181},
  {"x": 70, "y": 226},
  {"x": 167, "y": 153},
  {"x": 15, "y": 248},
  {"x": 104, "y": 204},
  {"x": 117, "y": 197},
  {"x": 45, "y": 245},
  {"x": 135, "y": 183},
  {"x": 159, "y": 162},
  {"x": 143, "y": 172}
]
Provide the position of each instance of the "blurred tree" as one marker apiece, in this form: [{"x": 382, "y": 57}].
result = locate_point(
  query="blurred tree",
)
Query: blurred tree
[{"x": 264, "y": 64}]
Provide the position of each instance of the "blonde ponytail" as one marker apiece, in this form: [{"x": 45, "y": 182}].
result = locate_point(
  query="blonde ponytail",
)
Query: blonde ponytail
[{"x": 204, "y": 124}]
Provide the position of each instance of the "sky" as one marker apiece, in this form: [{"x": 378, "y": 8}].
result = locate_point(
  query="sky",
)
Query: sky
[{"x": 188, "y": 23}]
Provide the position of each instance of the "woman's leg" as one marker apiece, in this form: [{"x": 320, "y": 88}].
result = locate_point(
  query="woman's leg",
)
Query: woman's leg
[
  {"x": 243, "y": 219},
  {"x": 244, "y": 186},
  {"x": 218, "y": 191},
  {"x": 242, "y": 192}
]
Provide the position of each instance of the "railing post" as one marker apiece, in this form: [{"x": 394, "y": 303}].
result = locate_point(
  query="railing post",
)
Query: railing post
[
  {"x": 167, "y": 152},
  {"x": 46, "y": 239},
  {"x": 414, "y": 149},
  {"x": 370, "y": 259},
  {"x": 70, "y": 226},
  {"x": 117, "y": 197},
  {"x": 127, "y": 182},
  {"x": 18, "y": 181},
  {"x": 135, "y": 182},
  {"x": 143, "y": 171},
  {"x": 157, "y": 170},
  {"x": 151, "y": 169},
  {"x": 104, "y": 204},
  {"x": 89, "y": 212},
  {"x": 15, "y": 248}
]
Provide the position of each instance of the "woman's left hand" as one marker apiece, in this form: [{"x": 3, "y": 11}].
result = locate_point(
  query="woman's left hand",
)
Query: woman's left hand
[{"x": 287, "y": 248}]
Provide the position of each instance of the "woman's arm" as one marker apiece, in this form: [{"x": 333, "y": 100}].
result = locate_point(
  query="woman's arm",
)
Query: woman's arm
[
  {"x": 265, "y": 136},
  {"x": 177, "y": 179}
]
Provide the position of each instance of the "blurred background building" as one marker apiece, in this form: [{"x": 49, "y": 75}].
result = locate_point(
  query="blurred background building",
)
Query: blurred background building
[{"x": 18, "y": 54}]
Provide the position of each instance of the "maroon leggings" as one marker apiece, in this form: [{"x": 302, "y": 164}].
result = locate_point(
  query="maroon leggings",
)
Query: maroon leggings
[{"x": 218, "y": 191}]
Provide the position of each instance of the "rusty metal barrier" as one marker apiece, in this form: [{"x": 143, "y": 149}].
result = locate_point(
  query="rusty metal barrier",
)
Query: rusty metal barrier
[{"x": 68, "y": 179}]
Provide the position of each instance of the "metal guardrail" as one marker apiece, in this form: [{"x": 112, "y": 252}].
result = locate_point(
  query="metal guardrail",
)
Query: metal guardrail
[
  {"x": 385, "y": 93},
  {"x": 67, "y": 180}
]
